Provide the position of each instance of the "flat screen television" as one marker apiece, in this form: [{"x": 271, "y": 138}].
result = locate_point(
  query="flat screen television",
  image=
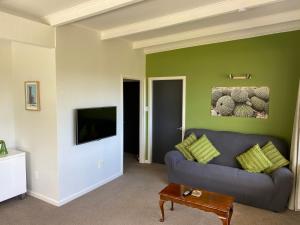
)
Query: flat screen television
[{"x": 95, "y": 124}]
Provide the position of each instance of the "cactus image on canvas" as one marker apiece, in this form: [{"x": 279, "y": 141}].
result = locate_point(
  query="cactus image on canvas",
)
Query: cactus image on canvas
[
  {"x": 239, "y": 95},
  {"x": 267, "y": 108},
  {"x": 243, "y": 110},
  {"x": 262, "y": 93},
  {"x": 248, "y": 102},
  {"x": 258, "y": 104},
  {"x": 216, "y": 94},
  {"x": 251, "y": 91},
  {"x": 226, "y": 91},
  {"x": 225, "y": 105}
]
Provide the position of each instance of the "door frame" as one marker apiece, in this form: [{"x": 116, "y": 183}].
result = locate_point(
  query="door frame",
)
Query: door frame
[
  {"x": 142, "y": 146},
  {"x": 150, "y": 108}
]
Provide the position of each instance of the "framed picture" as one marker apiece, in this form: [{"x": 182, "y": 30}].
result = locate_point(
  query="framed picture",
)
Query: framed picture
[
  {"x": 240, "y": 102},
  {"x": 32, "y": 95}
]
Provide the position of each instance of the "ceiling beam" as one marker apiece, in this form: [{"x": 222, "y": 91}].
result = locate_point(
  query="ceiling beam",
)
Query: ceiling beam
[
  {"x": 85, "y": 10},
  {"x": 220, "y": 29},
  {"x": 215, "y": 9},
  {"x": 231, "y": 36}
]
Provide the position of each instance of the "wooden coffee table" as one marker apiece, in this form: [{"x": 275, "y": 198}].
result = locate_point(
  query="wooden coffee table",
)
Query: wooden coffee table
[{"x": 222, "y": 205}]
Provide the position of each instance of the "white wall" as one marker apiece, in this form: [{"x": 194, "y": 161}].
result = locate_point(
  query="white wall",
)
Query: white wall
[
  {"x": 82, "y": 71},
  {"x": 89, "y": 75},
  {"x": 36, "y": 132},
  {"x": 27, "y": 31},
  {"x": 33, "y": 132},
  {"x": 6, "y": 97}
]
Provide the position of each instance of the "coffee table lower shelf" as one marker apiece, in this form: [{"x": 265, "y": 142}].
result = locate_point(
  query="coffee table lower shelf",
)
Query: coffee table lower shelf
[{"x": 221, "y": 205}]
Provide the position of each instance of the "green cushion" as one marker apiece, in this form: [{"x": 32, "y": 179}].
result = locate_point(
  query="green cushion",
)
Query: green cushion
[
  {"x": 272, "y": 153},
  {"x": 182, "y": 147},
  {"x": 254, "y": 160},
  {"x": 203, "y": 150}
]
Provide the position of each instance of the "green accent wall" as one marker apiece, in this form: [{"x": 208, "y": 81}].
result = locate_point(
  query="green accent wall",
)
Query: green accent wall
[{"x": 273, "y": 60}]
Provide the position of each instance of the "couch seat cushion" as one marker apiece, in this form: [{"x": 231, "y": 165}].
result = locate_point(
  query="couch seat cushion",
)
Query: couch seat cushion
[{"x": 248, "y": 188}]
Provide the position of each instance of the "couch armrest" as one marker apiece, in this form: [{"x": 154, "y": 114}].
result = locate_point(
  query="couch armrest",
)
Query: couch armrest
[
  {"x": 283, "y": 181},
  {"x": 172, "y": 158},
  {"x": 282, "y": 176}
]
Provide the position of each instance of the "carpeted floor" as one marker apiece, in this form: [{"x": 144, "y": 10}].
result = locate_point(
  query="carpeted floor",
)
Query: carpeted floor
[{"x": 130, "y": 200}]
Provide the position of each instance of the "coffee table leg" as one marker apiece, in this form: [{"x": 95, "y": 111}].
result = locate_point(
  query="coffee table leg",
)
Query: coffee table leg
[
  {"x": 161, "y": 205},
  {"x": 226, "y": 221},
  {"x": 230, "y": 214},
  {"x": 172, "y": 205}
]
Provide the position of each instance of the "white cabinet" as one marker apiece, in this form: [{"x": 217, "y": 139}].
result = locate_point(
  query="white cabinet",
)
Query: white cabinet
[{"x": 12, "y": 174}]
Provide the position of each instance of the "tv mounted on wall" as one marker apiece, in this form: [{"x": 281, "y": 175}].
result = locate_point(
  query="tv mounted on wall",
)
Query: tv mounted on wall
[{"x": 95, "y": 124}]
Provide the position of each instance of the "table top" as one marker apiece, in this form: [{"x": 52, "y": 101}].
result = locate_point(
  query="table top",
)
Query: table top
[
  {"x": 209, "y": 200},
  {"x": 12, "y": 153}
]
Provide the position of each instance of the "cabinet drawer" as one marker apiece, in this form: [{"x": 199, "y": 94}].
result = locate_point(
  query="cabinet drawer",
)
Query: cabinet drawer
[{"x": 13, "y": 177}]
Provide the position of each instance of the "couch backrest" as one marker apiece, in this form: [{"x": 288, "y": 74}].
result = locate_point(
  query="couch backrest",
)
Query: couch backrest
[{"x": 231, "y": 144}]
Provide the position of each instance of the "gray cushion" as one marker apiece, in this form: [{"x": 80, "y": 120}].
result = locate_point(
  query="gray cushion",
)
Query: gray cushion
[{"x": 231, "y": 144}]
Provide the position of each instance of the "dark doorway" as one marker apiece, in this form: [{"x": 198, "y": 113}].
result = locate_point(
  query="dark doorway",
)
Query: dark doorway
[
  {"x": 166, "y": 117},
  {"x": 131, "y": 104}
]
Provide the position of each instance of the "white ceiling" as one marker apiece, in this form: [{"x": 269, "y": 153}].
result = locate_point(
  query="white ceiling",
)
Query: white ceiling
[
  {"x": 38, "y": 8},
  {"x": 213, "y": 21},
  {"x": 143, "y": 11},
  {"x": 157, "y": 25}
]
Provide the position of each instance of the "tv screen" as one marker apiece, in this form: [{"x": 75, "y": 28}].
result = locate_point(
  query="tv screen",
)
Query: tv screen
[{"x": 95, "y": 123}]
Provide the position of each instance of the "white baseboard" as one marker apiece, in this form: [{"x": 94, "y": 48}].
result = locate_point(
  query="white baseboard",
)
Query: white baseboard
[
  {"x": 144, "y": 161},
  {"x": 43, "y": 198},
  {"x": 73, "y": 196},
  {"x": 89, "y": 189}
]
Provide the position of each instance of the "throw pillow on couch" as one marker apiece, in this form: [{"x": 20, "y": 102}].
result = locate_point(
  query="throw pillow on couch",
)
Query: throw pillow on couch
[
  {"x": 255, "y": 160},
  {"x": 182, "y": 147},
  {"x": 274, "y": 155},
  {"x": 266, "y": 159},
  {"x": 202, "y": 149}
]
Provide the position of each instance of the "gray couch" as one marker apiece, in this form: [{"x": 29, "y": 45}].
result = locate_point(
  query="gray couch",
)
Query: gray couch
[{"x": 224, "y": 174}]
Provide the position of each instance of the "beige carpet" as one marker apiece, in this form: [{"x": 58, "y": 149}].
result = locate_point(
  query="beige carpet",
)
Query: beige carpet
[{"x": 130, "y": 200}]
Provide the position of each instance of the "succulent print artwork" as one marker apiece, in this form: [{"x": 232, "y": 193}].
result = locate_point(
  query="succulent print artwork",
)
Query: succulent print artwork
[{"x": 250, "y": 102}]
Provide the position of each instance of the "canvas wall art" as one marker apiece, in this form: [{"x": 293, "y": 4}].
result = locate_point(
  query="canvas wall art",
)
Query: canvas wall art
[
  {"x": 240, "y": 102},
  {"x": 32, "y": 95}
]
